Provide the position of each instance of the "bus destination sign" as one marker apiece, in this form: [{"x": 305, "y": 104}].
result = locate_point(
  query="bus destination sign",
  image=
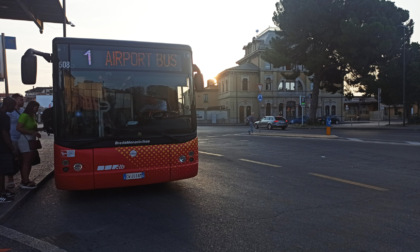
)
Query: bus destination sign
[{"x": 100, "y": 57}]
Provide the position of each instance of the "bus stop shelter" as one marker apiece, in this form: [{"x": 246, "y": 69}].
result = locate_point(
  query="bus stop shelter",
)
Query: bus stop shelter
[{"x": 38, "y": 11}]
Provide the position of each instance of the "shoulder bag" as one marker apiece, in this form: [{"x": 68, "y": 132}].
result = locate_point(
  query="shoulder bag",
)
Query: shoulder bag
[{"x": 34, "y": 144}]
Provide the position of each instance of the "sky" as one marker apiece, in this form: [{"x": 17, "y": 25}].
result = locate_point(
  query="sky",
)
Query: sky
[{"x": 216, "y": 30}]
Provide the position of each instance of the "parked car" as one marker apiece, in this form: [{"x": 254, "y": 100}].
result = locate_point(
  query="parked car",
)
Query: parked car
[
  {"x": 298, "y": 120},
  {"x": 334, "y": 119},
  {"x": 271, "y": 122}
]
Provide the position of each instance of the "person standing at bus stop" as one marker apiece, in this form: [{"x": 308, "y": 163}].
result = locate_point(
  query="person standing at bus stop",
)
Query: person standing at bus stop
[
  {"x": 251, "y": 121},
  {"x": 14, "y": 134},
  {"x": 7, "y": 151},
  {"x": 28, "y": 128}
]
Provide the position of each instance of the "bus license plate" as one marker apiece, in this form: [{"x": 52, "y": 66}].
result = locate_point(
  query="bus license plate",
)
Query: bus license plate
[{"x": 137, "y": 175}]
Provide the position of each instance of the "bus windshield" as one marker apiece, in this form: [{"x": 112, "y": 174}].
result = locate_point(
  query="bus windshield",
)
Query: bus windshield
[{"x": 119, "y": 100}]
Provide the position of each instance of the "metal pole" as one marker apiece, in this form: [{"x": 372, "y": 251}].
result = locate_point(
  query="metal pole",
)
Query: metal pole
[
  {"x": 303, "y": 109},
  {"x": 389, "y": 115},
  {"x": 236, "y": 98},
  {"x": 404, "y": 78},
  {"x": 379, "y": 105},
  {"x": 6, "y": 82},
  {"x": 342, "y": 103},
  {"x": 65, "y": 20}
]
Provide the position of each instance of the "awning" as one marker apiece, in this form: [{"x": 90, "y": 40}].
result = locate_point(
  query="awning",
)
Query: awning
[{"x": 38, "y": 11}]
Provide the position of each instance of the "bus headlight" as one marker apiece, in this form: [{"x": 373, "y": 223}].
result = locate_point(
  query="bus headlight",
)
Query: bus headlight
[
  {"x": 182, "y": 159},
  {"x": 77, "y": 167}
]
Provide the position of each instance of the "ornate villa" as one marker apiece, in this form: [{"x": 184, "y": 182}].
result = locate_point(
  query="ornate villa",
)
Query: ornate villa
[{"x": 255, "y": 86}]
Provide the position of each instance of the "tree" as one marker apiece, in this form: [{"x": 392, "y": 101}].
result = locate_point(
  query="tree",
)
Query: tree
[
  {"x": 390, "y": 79},
  {"x": 413, "y": 75},
  {"x": 337, "y": 40}
]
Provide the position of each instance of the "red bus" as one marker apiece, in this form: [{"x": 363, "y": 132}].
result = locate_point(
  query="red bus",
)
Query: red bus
[{"x": 124, "y": 112}]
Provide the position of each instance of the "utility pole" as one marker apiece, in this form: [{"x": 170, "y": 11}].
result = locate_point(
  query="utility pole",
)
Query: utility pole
[{"x": 404, "y": 27}]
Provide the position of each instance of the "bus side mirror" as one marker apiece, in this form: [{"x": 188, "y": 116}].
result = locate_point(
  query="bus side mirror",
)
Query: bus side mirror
[{"x": 28, "y": 68}]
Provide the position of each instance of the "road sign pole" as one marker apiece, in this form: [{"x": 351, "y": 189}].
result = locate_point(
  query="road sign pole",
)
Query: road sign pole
[
  {"x": 3, "y": 48},
  {"x": 5, "y": 43},
  {"x": 379, "y": 105},
  {"x": 259, "y": 97},
  {"x": 302, "y": 113},
  {"x": 302, "y": 105}
]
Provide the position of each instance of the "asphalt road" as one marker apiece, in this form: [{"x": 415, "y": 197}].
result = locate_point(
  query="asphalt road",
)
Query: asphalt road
[{"x": 356, "y": 191}]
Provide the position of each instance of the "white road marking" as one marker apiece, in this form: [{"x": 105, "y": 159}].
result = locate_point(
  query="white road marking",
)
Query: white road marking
[
  {"x": 413, "y": 143},
  {"x": 260, "y": 163},
  {"x": 211, "y": 154},
  {"x": 29, "y": 240},
  {"x": 349, "y": 182},
  {"x": 355, "y": 139}
]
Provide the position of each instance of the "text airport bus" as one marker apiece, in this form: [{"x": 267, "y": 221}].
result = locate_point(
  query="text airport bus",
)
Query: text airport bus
[{"x": 124, "y": 112}]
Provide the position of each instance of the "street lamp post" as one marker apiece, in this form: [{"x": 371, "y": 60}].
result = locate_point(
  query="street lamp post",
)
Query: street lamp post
[{"x": 404, "y": 75}]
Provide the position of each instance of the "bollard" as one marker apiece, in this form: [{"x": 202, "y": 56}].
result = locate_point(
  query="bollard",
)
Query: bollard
[{"x": 328, "y": 124}]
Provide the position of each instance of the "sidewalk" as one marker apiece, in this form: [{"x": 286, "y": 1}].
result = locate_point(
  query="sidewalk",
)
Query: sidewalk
[
  {"x": 39, "y": 173},
  {"x": 395, "y": 125}
]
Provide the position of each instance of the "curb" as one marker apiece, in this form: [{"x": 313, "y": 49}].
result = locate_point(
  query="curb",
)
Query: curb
[
  {"x": 40, "y": 174},
  {"x": 21, "y": 194},
  {"x": 296, "y": 135}
]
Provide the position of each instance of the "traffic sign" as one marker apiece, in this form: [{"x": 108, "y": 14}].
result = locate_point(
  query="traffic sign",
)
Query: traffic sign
[
  {"x": 302, "y": 100},
  {"x": 10, "y": 42},
  {"x": 260, "y": 97},
  {"x": 328, "y": 121}
]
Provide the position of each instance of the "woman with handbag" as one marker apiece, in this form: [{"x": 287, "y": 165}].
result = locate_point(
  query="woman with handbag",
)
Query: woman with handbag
[{"x": 28, "y": 127}]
